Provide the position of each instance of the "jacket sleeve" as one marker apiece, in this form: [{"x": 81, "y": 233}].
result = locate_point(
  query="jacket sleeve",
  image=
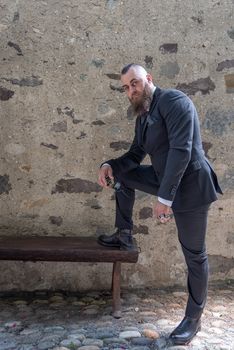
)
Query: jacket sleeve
[
  {"x": 178, "y": 112},
  {"x": 129, "y": 160}
]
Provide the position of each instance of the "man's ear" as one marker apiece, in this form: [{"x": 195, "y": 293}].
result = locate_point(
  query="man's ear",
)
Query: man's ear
[{"x": 149, "y": 78}]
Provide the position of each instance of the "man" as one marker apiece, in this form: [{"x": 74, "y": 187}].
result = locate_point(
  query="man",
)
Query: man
[{"x": 167, "y": 128}]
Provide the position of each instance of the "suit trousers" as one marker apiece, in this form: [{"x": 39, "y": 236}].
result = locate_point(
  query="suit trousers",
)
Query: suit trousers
[{"x": 191, "y": 227}]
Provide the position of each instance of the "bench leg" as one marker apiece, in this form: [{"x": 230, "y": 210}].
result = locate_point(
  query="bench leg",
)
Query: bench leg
[{"x": 116, "y": 274}]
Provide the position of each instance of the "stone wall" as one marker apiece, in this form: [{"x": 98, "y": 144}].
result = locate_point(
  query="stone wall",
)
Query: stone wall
[{"x": 63, "y": 112}]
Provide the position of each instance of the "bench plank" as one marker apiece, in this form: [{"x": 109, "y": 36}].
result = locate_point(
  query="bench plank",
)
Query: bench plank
[
  {"x": 73, "y": 249},
  {"x": 77, "y": 249}
]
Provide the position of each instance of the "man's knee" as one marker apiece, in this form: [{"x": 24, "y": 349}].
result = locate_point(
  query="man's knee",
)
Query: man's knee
[{"x": 195, "y": 258}]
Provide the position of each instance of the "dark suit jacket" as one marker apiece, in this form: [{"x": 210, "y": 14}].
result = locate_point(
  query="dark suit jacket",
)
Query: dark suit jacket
[{"x": 170, "y": 134}]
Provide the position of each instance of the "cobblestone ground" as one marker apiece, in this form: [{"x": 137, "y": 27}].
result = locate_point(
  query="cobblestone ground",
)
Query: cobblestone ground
[{"x": 61, "y": 321}]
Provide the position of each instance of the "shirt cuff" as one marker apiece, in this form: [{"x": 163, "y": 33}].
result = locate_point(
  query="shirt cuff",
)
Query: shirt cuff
[
  {"x": 105, "y": 164},
  {"x": 165, "y": 201}
]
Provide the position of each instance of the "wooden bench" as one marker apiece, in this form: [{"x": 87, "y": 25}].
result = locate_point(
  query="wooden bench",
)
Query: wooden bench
[{"x": 73, "y": 249}]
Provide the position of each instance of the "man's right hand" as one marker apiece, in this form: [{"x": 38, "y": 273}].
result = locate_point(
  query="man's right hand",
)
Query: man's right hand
[{"x": 104, "y": 172}]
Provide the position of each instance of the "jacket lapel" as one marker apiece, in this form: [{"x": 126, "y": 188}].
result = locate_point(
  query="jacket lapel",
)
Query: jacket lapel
[
  {"x": 149, "y": 119},
  {"x": 156, "y": 96}
]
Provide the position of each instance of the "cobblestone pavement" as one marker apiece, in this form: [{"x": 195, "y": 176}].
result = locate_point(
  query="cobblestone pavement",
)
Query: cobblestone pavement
[{"x": 61, "y": 321}]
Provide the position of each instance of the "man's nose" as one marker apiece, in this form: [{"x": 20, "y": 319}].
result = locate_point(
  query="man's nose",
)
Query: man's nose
[{"x": 132, "y": 89}]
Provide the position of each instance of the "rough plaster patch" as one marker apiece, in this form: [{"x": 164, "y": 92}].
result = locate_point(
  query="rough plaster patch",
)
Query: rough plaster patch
[
  {"x": 25, "y": 168},
  {"x": 29, "y": 216},
  {"x": 37, "y": 31},
  {"x": 76, "y": 186},
  {"x": 117, "y": 88},
  {"x": 114, "y": 76},
  {"x": 3, "y": 27},
  {"x": 145, "y": 213},
  {"x": 230, "y": 238},
  {"x": 229, "y": 82},
  {"x": 28, "y": 81},
  {"x": 16, "y": 16},
  {"x": 56, "y": 220},
  {"x": 178, "y": 273},
  {"x": 110, "y": 113},
  {"x": 218, "y": 121},
  {"x": 98, "y": 63},
  {"x": 49, "y": 145},
  {"x": 204, "y": 85},
  {"x": 111, "y": 4},
  {"x": 70, "y": 113},
  {"x": 103, "y": 107},
  {"x": 114, "y": 129},
  {"x": 227, "y": 181},
  {"x": 59, "y": 155},
  {"x": 225, "y": 64},
  {"x": 31, "y": 182},
  {"x": 93, "y": 203},
  {"x": 149, "y": 62},
  {"x": 207, "y": 146},
  {"x": 83, "y": 76},
  {"x": 141, "y": 229},
  {"x": 170, "y": 69},
  {"x": 59, "y": 126},
  {"x": 168, "y": 48},
  {"x": 135, "y": 279},
  {"x": 71, "y": 62},
  {"x": 5, "y": 94},
  {"x": 197, "y": 19},
  {"x": 98, "y": 122},
  {"x": 219, "y": 263},
  {"x": 30, "y": 204},
  {"x": 130, "y": 113},
  {"x": 5, "y": 185},
  {"x": 16, "y": 47},
  {"x": 82, "y": 135},
  {"x": 231, "y": 33},
  {"x": 15, "y": 149},
  {"x": 120, "y": 145}
]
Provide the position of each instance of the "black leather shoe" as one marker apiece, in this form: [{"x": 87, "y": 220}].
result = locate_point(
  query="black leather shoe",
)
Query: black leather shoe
[
  {"x": 186, "y": 330},
  {"x": 121, "y": 239}
]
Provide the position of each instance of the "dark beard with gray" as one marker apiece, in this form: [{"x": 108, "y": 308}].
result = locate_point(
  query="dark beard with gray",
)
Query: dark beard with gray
[{"x": 142, "y": 105}]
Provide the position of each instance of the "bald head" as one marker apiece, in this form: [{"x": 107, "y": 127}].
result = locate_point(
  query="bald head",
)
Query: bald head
[
  {"x": 138, "y": 85},
  {"x": 134, "y": 66}
]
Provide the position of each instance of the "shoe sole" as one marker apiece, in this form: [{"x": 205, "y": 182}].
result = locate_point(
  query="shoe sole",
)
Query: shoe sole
[
  {"x": 108, "y": 244},
  {"x": 115, "y": 246},
  {"x": 188, "y": 341}
]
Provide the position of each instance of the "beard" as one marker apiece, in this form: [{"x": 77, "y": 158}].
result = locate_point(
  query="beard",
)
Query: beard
[{"x": 141, "y": 101}]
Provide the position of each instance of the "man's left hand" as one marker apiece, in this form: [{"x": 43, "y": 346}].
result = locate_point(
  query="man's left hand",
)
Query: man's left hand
[{"x": 162, "y": 212}]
